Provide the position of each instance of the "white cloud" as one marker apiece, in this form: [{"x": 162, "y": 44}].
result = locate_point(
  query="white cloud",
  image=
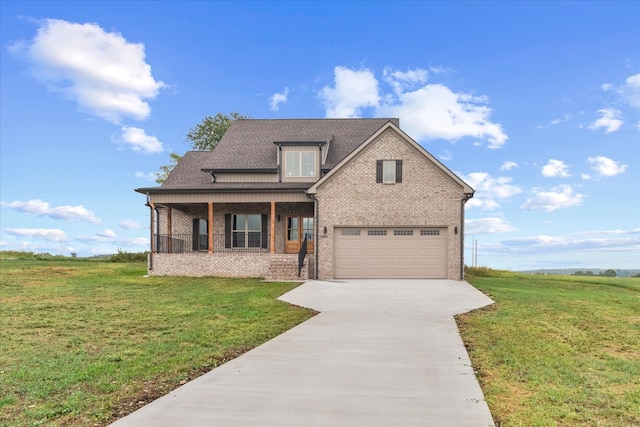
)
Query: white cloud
[
  {"x": 49, "y": 234},
  {"x": 104, "y": 73},
  {"x": 605, "y": 166},
  {"x": 610, "y": 120},
  {"x": 557, "y": 198},
  {"x": 555, "y": 168},
  {"x": 134, "y": 241},
  {"x": 138, "y": 140},
  {"x": 606, "y": 87},
  {"x": 487, "y": 226},
  {"x": 279, "y": 98},
  {"x": 435, "y": 111},
  {"x": 41, "y": 208},
  {"x": 489, "y": 189},
  {"x": 426, "y": 111},
  {"x": 130, "y": 224},
  {"x": 507, "y": 165},
  {"x": 401, "y": 81},
  {"x": 353, "y": 91},
  {"x": 599, "y": 241},
  {"x": 147, "y": 176},
  {"x": 107, "y": 233},
  {"x": 630, "y": 91}
]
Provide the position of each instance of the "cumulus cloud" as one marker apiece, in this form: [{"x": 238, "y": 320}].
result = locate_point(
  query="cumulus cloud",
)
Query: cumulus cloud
[
  {"x": 610, "y": 120},
  {"x": 508, "y": 165},
  {"x": 130, "y": 224},
  {"x": 353, "y": 90},
  {"x": 41, "y": 208},
  {"x": 138, "y": 140},
  {"x": 279, "y": 98},
  {"x": 630, "y": 91},
  {"x": 489, "y": 189},
  {"x": 555, "y": 168},
  {"x": 605, "y": 166},
  {"x": 559, "y": 197},
  {"x": 107, "y": 233},
  {"x": 402, "y": 81},
  {"x": 426, "y": 111},
  {"x": 488, "y": 226},
  {"x": 101, "y": 71},
  {"x": 49, "y": 234}
]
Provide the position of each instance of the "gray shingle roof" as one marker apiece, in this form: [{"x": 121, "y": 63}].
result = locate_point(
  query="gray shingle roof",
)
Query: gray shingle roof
[{"x": 249, "y": 144}]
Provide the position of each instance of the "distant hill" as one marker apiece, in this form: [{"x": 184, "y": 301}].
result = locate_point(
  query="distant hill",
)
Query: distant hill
[{"x": 596, "y": 271}]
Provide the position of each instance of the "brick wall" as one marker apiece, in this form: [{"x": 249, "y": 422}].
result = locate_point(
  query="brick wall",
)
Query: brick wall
[
  {"x": 229, "y": 264},
  {"x": 427, "y": 197}
]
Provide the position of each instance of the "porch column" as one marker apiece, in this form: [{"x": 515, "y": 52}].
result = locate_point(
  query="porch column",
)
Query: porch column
[
  {"x": 152, "y": 226},
  {"x": 169, "y": 240},
  {"x": 272, "y": 243},
  {"x": 210, "y": 227}
]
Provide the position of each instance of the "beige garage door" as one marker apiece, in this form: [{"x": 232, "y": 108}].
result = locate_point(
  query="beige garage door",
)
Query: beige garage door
[{"x": 403, "y": 253}]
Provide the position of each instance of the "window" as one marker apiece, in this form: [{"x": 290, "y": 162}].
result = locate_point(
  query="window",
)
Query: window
[
  {"x": 377, "y": 232},
  {"x": 349, "y": 232},
  {"x": 245, "y": 231},
  {"x": 200, "y": 234},
  {"x": 403, "y": 232},
  {"x": 389, "y": 171},
  {"x": 429, "y": 232},
  {"x": 300, "y": 163}
]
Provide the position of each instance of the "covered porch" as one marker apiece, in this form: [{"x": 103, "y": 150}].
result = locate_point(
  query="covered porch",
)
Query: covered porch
[{"x": 233, "y": 238}]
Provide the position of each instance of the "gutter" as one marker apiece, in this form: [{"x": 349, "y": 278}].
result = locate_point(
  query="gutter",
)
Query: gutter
[{"x": 464, "y": 201}]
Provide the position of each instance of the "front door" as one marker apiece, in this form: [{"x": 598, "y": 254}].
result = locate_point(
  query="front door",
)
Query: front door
[{"x": 297, "y": 228}]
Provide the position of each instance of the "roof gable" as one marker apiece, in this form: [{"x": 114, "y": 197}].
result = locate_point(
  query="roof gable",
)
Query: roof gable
[
  {"x": 249, "y": 143},
  {"x": 407, "y": 138}
]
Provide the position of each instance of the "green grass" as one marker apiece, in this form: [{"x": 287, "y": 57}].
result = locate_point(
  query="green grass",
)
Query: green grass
[
  {"x": 557, "y": 350},
  {"x": 84, "y": 342}
]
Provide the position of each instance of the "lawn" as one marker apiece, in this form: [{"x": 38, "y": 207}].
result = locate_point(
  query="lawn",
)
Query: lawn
[
  {"x": 84, "y": 342},
  {"x": 557, "y": 350}
]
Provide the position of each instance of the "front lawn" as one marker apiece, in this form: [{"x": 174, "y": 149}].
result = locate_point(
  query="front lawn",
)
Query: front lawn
[
  {"x": 557, "y": 350},
  {"x": 84, "y": 342}
]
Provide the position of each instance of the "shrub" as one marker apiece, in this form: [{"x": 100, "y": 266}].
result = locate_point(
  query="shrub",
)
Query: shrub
[{"x": 123, "y": 256}]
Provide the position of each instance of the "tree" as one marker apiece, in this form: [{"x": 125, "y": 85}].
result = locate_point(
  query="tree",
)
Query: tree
[
  {"x": 161, "y": 176},
  {"x": 206, "y": 135},
  {"x": 203, "y": 137}
]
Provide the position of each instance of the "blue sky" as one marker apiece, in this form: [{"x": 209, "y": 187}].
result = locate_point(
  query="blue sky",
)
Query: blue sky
[{"x": 535, "y": 104}]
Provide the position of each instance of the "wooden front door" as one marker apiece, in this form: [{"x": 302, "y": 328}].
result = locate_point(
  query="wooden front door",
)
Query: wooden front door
[{"x": 297, "y": 228}]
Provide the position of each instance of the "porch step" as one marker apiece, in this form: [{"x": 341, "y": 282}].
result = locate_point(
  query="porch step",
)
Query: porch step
[{"x": 286, "y": 268}]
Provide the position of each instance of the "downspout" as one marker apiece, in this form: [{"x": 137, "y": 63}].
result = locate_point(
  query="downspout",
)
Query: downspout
[
  {"x": 316, "y": 224},
  {"x": 280, "y": 162},
  {"x": 150, "y": 233},
  {"x": 465, "y": 198}
]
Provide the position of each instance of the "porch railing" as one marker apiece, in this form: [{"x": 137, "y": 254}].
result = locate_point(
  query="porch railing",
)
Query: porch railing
[{"x": 237, "y": 242}]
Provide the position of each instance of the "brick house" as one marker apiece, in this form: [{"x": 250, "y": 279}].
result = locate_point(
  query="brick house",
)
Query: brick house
[{"x": 351, "y": 198}]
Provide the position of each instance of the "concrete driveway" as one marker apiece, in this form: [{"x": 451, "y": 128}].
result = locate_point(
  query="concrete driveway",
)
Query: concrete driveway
[{"x": 380, "y": 353}]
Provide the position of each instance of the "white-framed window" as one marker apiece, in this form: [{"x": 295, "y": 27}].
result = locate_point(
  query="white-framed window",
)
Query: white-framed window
[
  {"x": 389, "y": 171},
  {"x": 300, "y": 164},
  {"x": 246, "y": 231}
]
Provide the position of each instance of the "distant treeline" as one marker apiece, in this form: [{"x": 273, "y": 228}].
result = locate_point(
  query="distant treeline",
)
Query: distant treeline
[{"x": 121, "y": 256}]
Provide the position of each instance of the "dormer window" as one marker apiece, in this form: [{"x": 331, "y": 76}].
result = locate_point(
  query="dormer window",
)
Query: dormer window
[{"x": 300, "y": 164}]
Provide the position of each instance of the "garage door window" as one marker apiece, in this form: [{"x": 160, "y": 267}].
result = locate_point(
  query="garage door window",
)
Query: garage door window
[
  {"x": 377, "y": 232},
  {"x": 403, "y": 232},
  {"x": 429, "y": 232}
]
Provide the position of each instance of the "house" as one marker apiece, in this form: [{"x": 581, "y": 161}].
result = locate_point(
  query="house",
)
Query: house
[{"x": 350, "y": 198}]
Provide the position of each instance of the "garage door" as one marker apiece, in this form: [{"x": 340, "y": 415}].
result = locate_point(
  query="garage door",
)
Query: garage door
[{"x": 390, "y": 253}]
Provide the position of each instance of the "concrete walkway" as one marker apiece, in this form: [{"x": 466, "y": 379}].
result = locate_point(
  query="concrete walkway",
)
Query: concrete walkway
[{"x": 380, "y": 353}]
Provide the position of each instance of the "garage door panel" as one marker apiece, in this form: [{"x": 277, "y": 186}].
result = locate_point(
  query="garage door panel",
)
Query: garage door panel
[{"x": 401, "y": 252}]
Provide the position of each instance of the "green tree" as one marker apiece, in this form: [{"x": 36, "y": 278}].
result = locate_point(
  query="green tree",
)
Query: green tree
[
  {"x": 161, "y": 176},
  {"x": 609, "y": 273},
  {"x": 206, "y": 135},
  {"x": 203, "y": 137}
]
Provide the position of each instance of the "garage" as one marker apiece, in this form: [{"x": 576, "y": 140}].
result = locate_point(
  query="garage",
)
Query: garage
[{"x": 399, "y": 252}]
